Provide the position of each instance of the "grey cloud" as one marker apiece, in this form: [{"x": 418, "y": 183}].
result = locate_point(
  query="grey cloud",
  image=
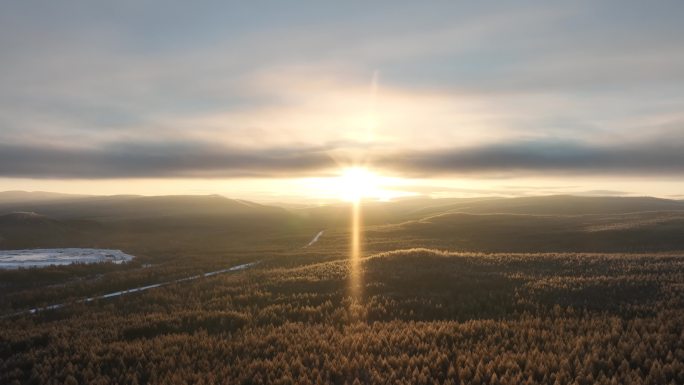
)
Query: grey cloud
[
  {"x": 193, "y": 159},
  {"x": 128, "y": 160},
  {"x": 544, "y": 157}
]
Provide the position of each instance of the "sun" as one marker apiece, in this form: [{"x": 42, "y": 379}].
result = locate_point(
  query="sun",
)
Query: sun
[
  {"x": 356, "y": 183},
  {"x": 353, "y": 184}
]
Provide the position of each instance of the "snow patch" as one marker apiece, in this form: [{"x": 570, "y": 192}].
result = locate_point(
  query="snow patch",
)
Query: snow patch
[{"x": 14, "y": 259}]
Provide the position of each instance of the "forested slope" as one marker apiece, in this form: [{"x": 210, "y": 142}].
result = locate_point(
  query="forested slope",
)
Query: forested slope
[{"x": 421, "y": 317}]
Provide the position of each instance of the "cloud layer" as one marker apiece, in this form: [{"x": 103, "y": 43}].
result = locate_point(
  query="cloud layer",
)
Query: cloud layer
[
  {"x": 159, "y": 160},
  {"x": 169, "y": 160},
  {"x": 223, "y": 89},
  {"x": 543, "y": 158}
]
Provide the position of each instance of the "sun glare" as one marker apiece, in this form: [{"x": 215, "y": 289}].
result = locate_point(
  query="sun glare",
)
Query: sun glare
[{"x": 354, "y": 184}]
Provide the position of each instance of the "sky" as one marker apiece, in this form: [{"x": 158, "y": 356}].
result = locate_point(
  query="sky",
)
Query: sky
[{"x": 272, "y": 101}]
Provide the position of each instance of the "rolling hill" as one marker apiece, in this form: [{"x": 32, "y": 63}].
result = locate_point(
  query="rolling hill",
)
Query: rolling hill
[{"x": 547, "y": 223}]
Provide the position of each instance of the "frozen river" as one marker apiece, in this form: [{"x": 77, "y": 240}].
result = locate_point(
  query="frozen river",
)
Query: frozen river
[{"x": 14, "y": 259}]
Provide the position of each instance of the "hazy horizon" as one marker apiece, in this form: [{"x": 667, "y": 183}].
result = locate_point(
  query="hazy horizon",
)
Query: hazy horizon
[{"x": 298, "y": 200}]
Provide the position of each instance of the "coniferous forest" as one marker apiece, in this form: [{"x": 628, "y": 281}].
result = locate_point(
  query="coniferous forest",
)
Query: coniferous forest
[{"x": 416, "y": 316}]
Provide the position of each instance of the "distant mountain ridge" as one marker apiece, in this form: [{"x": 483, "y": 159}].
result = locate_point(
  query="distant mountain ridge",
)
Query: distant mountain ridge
[
  {"x": 138, "y": 206},
  {"x": 377, "y": 213},
  {"x": 527, "y": 224},
  {"x": 15, "y": 196},
  {"x": 568, "y": 205},
  {"x": 125, "y": 207},
  {"x": 123, "y": 221}
]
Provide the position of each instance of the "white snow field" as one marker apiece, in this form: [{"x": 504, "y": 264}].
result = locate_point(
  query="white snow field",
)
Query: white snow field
[{"x": 14, "y": 259}]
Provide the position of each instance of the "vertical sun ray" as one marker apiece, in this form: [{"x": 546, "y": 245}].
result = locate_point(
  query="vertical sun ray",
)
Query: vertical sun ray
[{"x": 355, "y": 282}]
